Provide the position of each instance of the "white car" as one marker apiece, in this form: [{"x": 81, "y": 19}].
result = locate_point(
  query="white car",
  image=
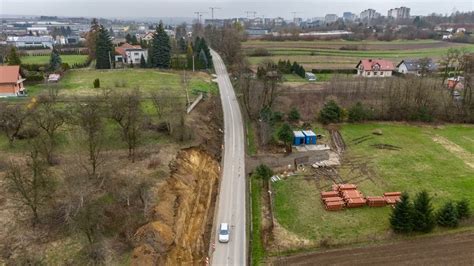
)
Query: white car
[{"x": 224, "y": 233}]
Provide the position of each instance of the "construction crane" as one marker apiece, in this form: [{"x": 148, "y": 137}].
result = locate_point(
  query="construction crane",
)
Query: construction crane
[
  {"x": 212, "y": 11},
  {"x": 294, "y": 15},
  {"x": 199, "y": 15},
  {"x": 250, "y": 12}
]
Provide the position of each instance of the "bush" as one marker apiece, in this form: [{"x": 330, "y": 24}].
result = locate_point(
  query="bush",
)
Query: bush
[
  {"x": 96, "y": 83},
  {"x": 277, "y": 116},
  {"x": 331, "y": 113},
  {"x": 358, "y": 113},
  {"x": 263, "y": 172},
  {"x": 463, "y": 210},
  {"x": 294, "y": 115},
  {"x": 448, "y": 216},
  {"x": 260, "y": 52}
]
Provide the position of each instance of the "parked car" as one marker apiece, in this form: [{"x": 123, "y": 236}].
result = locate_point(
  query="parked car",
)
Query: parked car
[{"x": 224, "y": 233}]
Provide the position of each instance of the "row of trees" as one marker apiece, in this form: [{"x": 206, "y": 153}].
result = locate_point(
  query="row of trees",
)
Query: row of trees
[
  {"x": 420, "y": 216},
  {"x": 286, "y": 67}
]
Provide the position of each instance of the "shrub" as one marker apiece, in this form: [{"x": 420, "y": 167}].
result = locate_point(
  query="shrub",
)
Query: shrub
[
  {"x": 294, "y": 115},
  {"x": 358, "y": 113},
  {"x": 331, "y": 113},
  {"x": 401, "y": 219},
  {"x": 448, "y": 216},
  {"x": 264, "y": 172},
  {"x": 96, "y": 83},
  {"x": 260, "y": 52},
  {"x": 277, "y": 116},
  {"x": 463, "y": 210}
]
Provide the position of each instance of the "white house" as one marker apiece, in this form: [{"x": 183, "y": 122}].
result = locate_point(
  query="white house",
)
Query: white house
[
  {"x": 372, "y": 68},
  {"x": 129, "y": 54},
  {"x": 413, "y": 66}
]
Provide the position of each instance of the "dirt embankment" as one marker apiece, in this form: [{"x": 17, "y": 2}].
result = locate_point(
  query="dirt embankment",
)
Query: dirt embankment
[{"x": 180, "y": 228}]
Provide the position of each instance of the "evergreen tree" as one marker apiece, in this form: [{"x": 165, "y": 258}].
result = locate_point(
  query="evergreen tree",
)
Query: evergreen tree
[
  {"x": 401, "y": 219},
  {"x": 134, "y": 39},
  {"x": 55, "y": 61},
  {"x": 182, "y": 45},
  {"x": 203, "y": 63},
  {"x": 463, "y": 210},
  {"x": 161, "y": 48},
  {"x": 103, "y": 49},
  {"x": 128, "y": 38},
  {"x": 13, "y": 58},
  {"x": 423, "y": 217},
  {"x": 331, "y": 113},
  {"x": 447, "y": 216},
  {"x": 142, "y": 62},
  {"x": 285, "y": 134},
  {"x": 294, "y": 115},
  {"x": 189, "y": 56}
]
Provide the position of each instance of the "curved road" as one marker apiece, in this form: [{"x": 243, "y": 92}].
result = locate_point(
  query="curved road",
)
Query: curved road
[{"x": 231, "y": 203}]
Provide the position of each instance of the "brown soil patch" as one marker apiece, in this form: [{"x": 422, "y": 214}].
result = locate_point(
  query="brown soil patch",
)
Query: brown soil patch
[
  {"x": 454, "y": 249},
  {"x": 286, "y": 240},
  {"x": 458, "y": 151},
  {"x": 179, "y": 232}
]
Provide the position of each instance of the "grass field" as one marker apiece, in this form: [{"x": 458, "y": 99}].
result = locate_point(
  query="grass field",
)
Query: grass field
[
  {"x": 327, "y": 54},
  {"x": 420, "y": 164},
  {"x": 44, "y": 59},
  {"x": 80, "y": 82}
]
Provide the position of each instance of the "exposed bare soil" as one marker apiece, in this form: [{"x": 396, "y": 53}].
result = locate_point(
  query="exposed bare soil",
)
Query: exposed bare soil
[
  {"x": 451, "y": 249},
  {"x": 456, "y": 150}
]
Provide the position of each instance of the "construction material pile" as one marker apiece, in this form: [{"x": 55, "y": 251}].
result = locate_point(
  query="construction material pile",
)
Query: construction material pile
[{"x": 347, "y": 195}]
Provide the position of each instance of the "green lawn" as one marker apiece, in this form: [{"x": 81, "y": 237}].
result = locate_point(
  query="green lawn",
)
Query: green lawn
[
  {"x": 80, "y": 81},
  {"x": 420, "y": 164},
  {"x": 257, "y": 248},
  {"x": 44, "y": 59},
  {"x": 295, "y": 78}
]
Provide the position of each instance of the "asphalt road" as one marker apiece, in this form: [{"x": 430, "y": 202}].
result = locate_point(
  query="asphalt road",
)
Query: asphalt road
[{"x": 231, "y": 203}]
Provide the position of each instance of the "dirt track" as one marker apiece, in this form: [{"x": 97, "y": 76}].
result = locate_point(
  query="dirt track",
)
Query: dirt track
[{"x": 455, "y": 249}]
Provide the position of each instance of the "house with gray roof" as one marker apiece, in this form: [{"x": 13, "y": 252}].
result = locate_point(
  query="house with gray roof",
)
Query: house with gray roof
[{"x": 415, "y": 66}]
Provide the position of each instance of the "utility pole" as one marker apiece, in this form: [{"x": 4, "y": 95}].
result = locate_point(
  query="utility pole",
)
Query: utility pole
[
  {"x": 212, "y": 11},
  {"x": 294, "y": 15}
]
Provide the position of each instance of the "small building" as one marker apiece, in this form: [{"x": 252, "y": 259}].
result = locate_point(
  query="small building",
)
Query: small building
[
  {"x": 298, "y": 138},
  {"x": 371, "y": 68},
  {"x": 310, "y": 137},
  {"x": 53, "y": 78},
  {"x": 415, "y": 66},
  {"x": 310, "y": 76},
  {"x": 11, "y": 82},
  {"x": 128, "y": 54}
]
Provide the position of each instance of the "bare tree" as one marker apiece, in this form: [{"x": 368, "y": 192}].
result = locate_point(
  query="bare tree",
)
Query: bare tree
[
  {"x": 89, "y": 116},
  {"x": 168, "y": 104},
  {"x": 126, "y": 112},
  {"x": 48, "y": 117},
  {"x": 12, "y": 119},
  {"x": 31, "y": 186}
]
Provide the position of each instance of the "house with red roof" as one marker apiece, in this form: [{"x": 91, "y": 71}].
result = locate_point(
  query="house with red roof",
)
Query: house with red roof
[
  {"x": 128, "y": 54},
  {"x": 11, "y": 82},
  {"x": 372, "y": 68}
]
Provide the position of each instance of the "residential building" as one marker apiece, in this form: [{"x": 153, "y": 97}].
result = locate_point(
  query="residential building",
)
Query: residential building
[
  {"x": 330, "y": 18},
  {"x": 374, "y": 68},
  {"x": 11, "y": 82},
  {"x": 349, "y": 16},
  {"x": 129, "y": 54},
  {"x": 369, "y": 14},
  {"x": 256, "y": 32},
  {"x": 415, "y": 66},
  {"x": 399, "y": 13},
  {"x": 31, "y": 41}
]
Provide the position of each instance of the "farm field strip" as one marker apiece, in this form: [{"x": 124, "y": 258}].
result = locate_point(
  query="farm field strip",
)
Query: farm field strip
[{"x": 44, "y": 59}]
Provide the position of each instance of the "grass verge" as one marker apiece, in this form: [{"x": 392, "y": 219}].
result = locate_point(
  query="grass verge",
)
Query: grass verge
[{"x": 257, "y": 249}]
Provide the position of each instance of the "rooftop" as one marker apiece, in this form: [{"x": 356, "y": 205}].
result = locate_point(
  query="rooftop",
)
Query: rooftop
[{"x": 9, "y": 74}]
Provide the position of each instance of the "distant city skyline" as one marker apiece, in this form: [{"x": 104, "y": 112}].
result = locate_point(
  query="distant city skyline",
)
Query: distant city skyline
[{"x": 229, "y": 8}]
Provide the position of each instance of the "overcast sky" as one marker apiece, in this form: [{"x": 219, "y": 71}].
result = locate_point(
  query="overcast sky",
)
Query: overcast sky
[{"x": 229, "y": 8}]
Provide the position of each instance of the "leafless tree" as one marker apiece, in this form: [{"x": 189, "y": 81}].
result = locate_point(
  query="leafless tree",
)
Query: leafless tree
[
  {"x": 12, "y": 119},
  {"x": 168, "y": 104},
  {"x": 31, "y": 186},
  {"x": 89, "y": 115},
  {"x": 126, "y": 111},
  {"x": 48, "y": 117}
]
